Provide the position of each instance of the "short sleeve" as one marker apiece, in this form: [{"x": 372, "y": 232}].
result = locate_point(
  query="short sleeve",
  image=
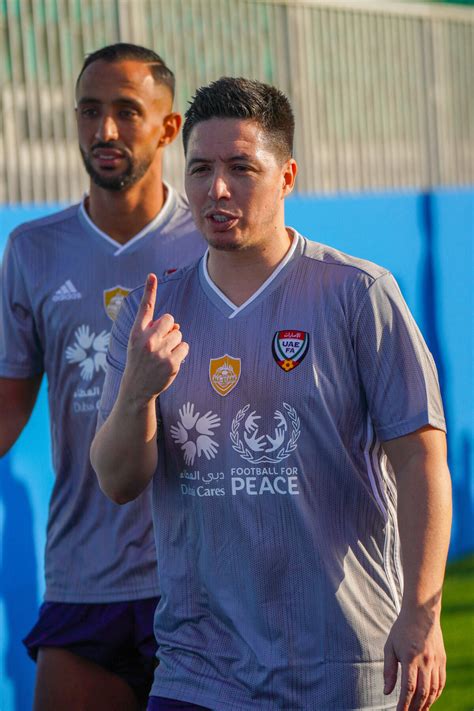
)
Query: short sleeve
[
  {"x": 116, "y": 360},
  {"x": 396, "y": 369},
  {"x": 21, "y": 352}
]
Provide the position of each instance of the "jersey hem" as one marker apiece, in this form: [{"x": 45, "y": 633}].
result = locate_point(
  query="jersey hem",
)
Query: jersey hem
[
  {"x": 8, "y": 371},
  {"x": 128, "y": 596},
  {"x": 171, "y": 693},
  {"x": 218, "y": 704}
]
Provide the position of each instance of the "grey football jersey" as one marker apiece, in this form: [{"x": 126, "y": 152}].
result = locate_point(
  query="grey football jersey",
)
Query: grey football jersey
[
  {"x": 274, "y": 505},
  {"x": 63, "y": 281}
]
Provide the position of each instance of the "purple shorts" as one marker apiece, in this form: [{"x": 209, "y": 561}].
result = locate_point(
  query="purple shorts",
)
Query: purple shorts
[
  {"x": 159, "y": 703},
  {"x": 116, "y": 635}
]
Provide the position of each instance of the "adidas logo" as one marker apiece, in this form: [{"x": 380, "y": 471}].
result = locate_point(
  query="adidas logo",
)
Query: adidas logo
[{"x": 67, "y": 292}]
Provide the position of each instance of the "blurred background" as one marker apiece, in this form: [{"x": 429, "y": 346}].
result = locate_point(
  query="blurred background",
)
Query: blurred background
[{"x": 383, "y": 94}]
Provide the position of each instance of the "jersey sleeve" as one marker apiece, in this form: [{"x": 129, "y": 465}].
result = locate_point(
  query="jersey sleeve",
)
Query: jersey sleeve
[
  {"x": 396, "y": 369},
  {"x": 116, "y": 360},
  {"x": 21, "y": 352}
]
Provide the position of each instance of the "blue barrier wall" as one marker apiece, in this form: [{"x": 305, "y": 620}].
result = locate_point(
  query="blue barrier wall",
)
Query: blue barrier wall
[{"x": 425, "y": 239}]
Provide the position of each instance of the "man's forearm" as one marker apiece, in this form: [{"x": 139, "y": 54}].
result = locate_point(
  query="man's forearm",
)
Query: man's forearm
[
  {"x": 124, "y": 451},
  {"x": 17, "y": 399},
  {"x": 424, "y": 521}
]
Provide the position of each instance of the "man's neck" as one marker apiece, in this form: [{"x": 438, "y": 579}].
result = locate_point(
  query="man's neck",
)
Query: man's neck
[
  {"x": 241, "y": 273},
  {"x": 123, "y": 214}
]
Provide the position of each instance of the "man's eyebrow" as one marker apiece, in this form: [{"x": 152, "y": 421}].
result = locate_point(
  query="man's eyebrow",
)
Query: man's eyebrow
[
  {"x": 232, "y": 159},
  {"x": 122, "y": 100},
  {"x": 88, "y": 100}
]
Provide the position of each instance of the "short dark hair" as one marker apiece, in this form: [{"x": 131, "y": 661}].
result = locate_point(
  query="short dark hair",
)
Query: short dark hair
[
  {"x": 231, "y": 97},
  {"x": 122, "y": 51}
]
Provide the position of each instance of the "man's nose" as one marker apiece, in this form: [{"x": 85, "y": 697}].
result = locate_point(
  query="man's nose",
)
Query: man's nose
[
  {"x": 219, "y": 187},
  {"x": 107, "y": 129}
]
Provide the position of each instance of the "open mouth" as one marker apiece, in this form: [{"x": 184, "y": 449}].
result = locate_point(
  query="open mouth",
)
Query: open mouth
[{"x": 221, "y": 220}]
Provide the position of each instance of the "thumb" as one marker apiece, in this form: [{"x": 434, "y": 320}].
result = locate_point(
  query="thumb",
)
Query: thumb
[{"x": 390, "y": 668}]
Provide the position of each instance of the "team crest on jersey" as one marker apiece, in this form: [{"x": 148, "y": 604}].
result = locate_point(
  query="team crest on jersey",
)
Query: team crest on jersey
[
  {"x": 224, "y": 373},
  {"x": 113, "y": 300},
  {"x": 289, "y": 348}
]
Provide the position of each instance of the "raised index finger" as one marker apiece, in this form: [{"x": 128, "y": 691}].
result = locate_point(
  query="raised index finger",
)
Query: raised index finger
[{"x": 147, "y": 304}]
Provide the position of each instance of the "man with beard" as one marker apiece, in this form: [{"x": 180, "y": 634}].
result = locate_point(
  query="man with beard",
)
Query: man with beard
[{"x": 64, "y": 277}]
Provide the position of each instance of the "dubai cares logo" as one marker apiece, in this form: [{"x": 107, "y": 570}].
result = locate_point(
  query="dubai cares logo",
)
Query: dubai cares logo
[{"x": 289, "y": 348}]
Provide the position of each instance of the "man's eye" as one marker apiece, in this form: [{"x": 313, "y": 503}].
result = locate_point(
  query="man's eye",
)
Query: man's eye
[
  {"x": 197, "y": 169},
  {"x": 128, "y": 113},
  {"x": 239, "y": 168},
  {"x": 89, "y": 113}
]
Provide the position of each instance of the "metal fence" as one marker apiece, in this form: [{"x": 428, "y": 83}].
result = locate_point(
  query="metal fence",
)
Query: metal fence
[{"x": 383, "y": 92}]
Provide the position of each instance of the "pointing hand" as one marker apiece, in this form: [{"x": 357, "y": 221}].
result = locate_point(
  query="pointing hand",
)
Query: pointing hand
[{"x": 155, "y": 349}]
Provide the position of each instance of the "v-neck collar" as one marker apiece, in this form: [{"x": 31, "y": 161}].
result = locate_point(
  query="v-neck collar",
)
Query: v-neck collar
[
  {"x": 118, "y": 248},
  {"x": 225, "y": 305}
]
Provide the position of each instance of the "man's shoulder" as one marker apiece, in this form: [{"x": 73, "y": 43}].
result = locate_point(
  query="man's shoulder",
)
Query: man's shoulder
[
  {"x": 176, "y": 207},
  {"x": 37, "y": 228},
  {"x": 167, "y": 285},
  {"x": 342, "y": 264}
]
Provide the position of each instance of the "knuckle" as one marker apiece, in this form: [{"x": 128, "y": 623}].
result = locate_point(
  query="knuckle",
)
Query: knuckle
[
  {"x": 148, "y": 346},
  {"x": 133, "y": 339},
  {"x": 410, "y": 687},
  {"x": 167, "y": 319},
  {"x": 427, "y": 659},
  {"x": 434, "y": 691},
  {"x": 422, "y": 693}
]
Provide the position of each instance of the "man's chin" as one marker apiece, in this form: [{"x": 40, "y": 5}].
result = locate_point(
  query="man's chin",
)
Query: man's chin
[
  {"x": 223, "y": 245},
  {"x": 114, "y": 183}
]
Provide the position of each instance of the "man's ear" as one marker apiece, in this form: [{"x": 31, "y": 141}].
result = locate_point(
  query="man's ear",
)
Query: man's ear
[
  {"x": 171, "y": 125},
  {"x": 289, "y": 171}
]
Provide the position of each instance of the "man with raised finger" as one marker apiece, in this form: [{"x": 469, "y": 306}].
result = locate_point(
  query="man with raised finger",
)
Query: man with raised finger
[{"x": 295, "y": 438}]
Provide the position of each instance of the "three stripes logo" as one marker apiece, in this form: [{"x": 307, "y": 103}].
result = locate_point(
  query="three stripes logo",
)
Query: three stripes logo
[{"x": 67, "y": 292}]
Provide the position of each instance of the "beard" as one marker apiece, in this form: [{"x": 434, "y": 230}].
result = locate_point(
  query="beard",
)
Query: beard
[
  {"x": 222, "y": 246},
  {"x": 131, "y": 175}
]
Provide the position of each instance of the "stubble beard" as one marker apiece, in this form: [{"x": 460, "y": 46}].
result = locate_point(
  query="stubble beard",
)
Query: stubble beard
[{"x": 222, "y": 246}]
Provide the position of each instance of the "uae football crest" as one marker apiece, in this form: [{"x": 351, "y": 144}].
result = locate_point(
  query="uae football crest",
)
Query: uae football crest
[
  {"x": 113, "y": 300},
  {"x": 224, "y": 373},
  {"x": 289, "y": 348}
]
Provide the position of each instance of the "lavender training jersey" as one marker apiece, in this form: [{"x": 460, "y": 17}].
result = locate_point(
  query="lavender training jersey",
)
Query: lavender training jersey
[
  {"x": 63, "y": 282},
  {"x": 274, "y": 504}
]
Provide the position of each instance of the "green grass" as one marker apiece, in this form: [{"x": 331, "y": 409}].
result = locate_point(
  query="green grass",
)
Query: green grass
[{"x": 458, "y": 629}]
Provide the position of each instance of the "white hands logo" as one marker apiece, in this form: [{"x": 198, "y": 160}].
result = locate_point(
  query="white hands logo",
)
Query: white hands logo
[
  {"x": 200, "y": 441},
  {"x": 265, "y": 447},
  {"x": 89, "y": 351}
]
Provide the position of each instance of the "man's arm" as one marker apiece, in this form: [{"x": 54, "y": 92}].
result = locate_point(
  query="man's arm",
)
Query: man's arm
[
  {"x": 424, "y": 522},
  {"x": 124, "y": 451},
  {"x": 17, "y": 399}
]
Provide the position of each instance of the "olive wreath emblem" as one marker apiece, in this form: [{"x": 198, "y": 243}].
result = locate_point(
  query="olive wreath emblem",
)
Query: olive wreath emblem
[{"x": 282, "y": 454}]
